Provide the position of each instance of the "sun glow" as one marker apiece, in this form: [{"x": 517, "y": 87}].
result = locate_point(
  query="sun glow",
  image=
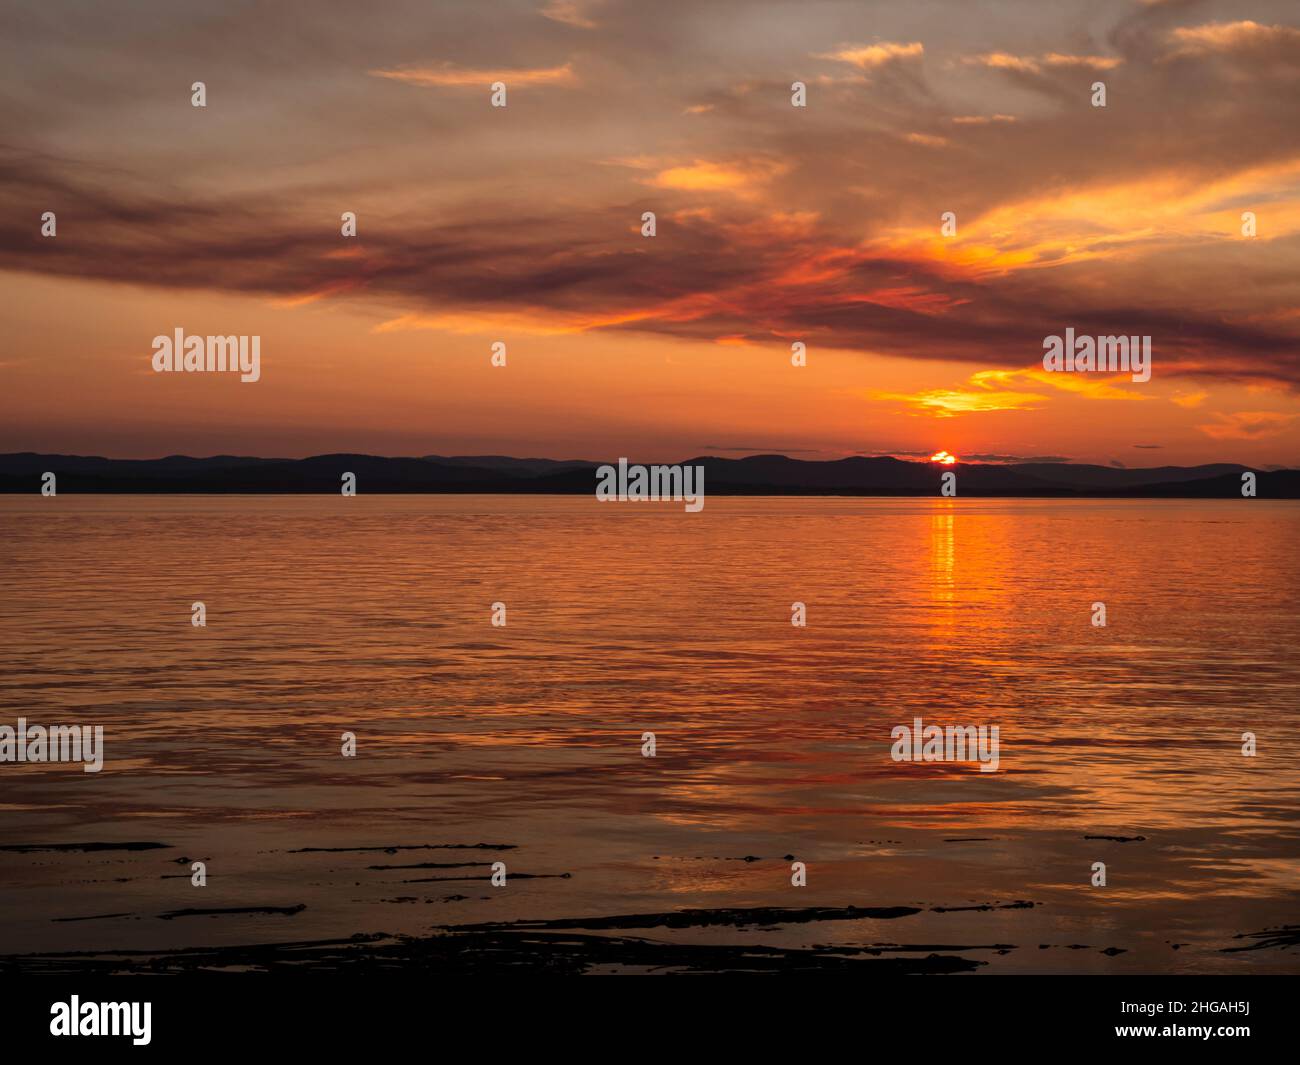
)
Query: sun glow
[{"x": 943, "y": 458}]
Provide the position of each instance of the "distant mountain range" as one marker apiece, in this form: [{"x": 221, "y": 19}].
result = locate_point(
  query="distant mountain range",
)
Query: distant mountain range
[{"x": 755, "y": 475}]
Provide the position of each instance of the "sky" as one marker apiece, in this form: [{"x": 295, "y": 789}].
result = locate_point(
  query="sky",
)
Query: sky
[{"x": 774, "y": 224}]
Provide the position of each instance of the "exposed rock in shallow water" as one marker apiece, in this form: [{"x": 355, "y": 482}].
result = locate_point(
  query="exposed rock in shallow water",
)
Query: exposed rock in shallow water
[
  {"x": 468, "y": 953},
  {"x": 287, "y": 911},
  {"x": 1284, "y": 936},
  {"x": 36, "y": 848},
  {"x": 767, "y": 916}
]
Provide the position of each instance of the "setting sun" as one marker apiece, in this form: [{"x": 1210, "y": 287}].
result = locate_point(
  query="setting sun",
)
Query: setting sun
[{"x": 943, "y": 457}]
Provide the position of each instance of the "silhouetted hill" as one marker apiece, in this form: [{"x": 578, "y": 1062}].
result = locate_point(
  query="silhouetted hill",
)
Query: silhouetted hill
[
  {"x": 1275, "y": 484},
  {"x": 505, "y": 464},
  {"x": 753, "y": 475},
  {"x": 1087, "y": 476}
]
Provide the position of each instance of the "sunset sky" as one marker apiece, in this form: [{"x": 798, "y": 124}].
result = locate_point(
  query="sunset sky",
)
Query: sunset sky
[{"x": 776, "y": 224}]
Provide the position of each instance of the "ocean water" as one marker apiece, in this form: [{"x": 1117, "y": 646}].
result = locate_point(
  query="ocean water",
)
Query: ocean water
[{"x": 522, "y": 743}]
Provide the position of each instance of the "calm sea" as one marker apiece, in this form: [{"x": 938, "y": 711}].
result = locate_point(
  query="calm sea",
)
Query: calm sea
[{"x": 372, "y": 615}]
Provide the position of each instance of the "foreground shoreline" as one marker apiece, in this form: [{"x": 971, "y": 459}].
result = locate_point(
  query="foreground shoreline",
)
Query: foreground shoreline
[{"x": 583, "y": 946}]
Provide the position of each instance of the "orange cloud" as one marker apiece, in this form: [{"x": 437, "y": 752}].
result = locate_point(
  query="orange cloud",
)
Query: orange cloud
[
  {"x": 948, "y": 403},
  {"x": 1089, "y": 386},
  {"x": 334, "y": 288},
  {"x": 1032, "y": 65},
  {"x": 705, "y": 176},
  {"x": 569, "y": 12},
  {"x": 487, "y": 324},
  {"x": 1230, "y": 37},
  {"x": 1109, "y": 222},
  {"x": 996, "y": 390},
  {"x": 981, "y": 120},
  {"x": 864, "y": 56},
  {"x": 449, "y": 76},
  {"x": 1247, "y": 425},
  {"x": 1096, "y": 62}
]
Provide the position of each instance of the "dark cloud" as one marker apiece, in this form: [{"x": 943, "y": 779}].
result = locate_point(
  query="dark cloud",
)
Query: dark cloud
[
  {"x": 1015, "y": 458},
  {"x": 964, "y": 457},
  {"x": 534, "y": 209},
  {"x": 765, "y": 450}
]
